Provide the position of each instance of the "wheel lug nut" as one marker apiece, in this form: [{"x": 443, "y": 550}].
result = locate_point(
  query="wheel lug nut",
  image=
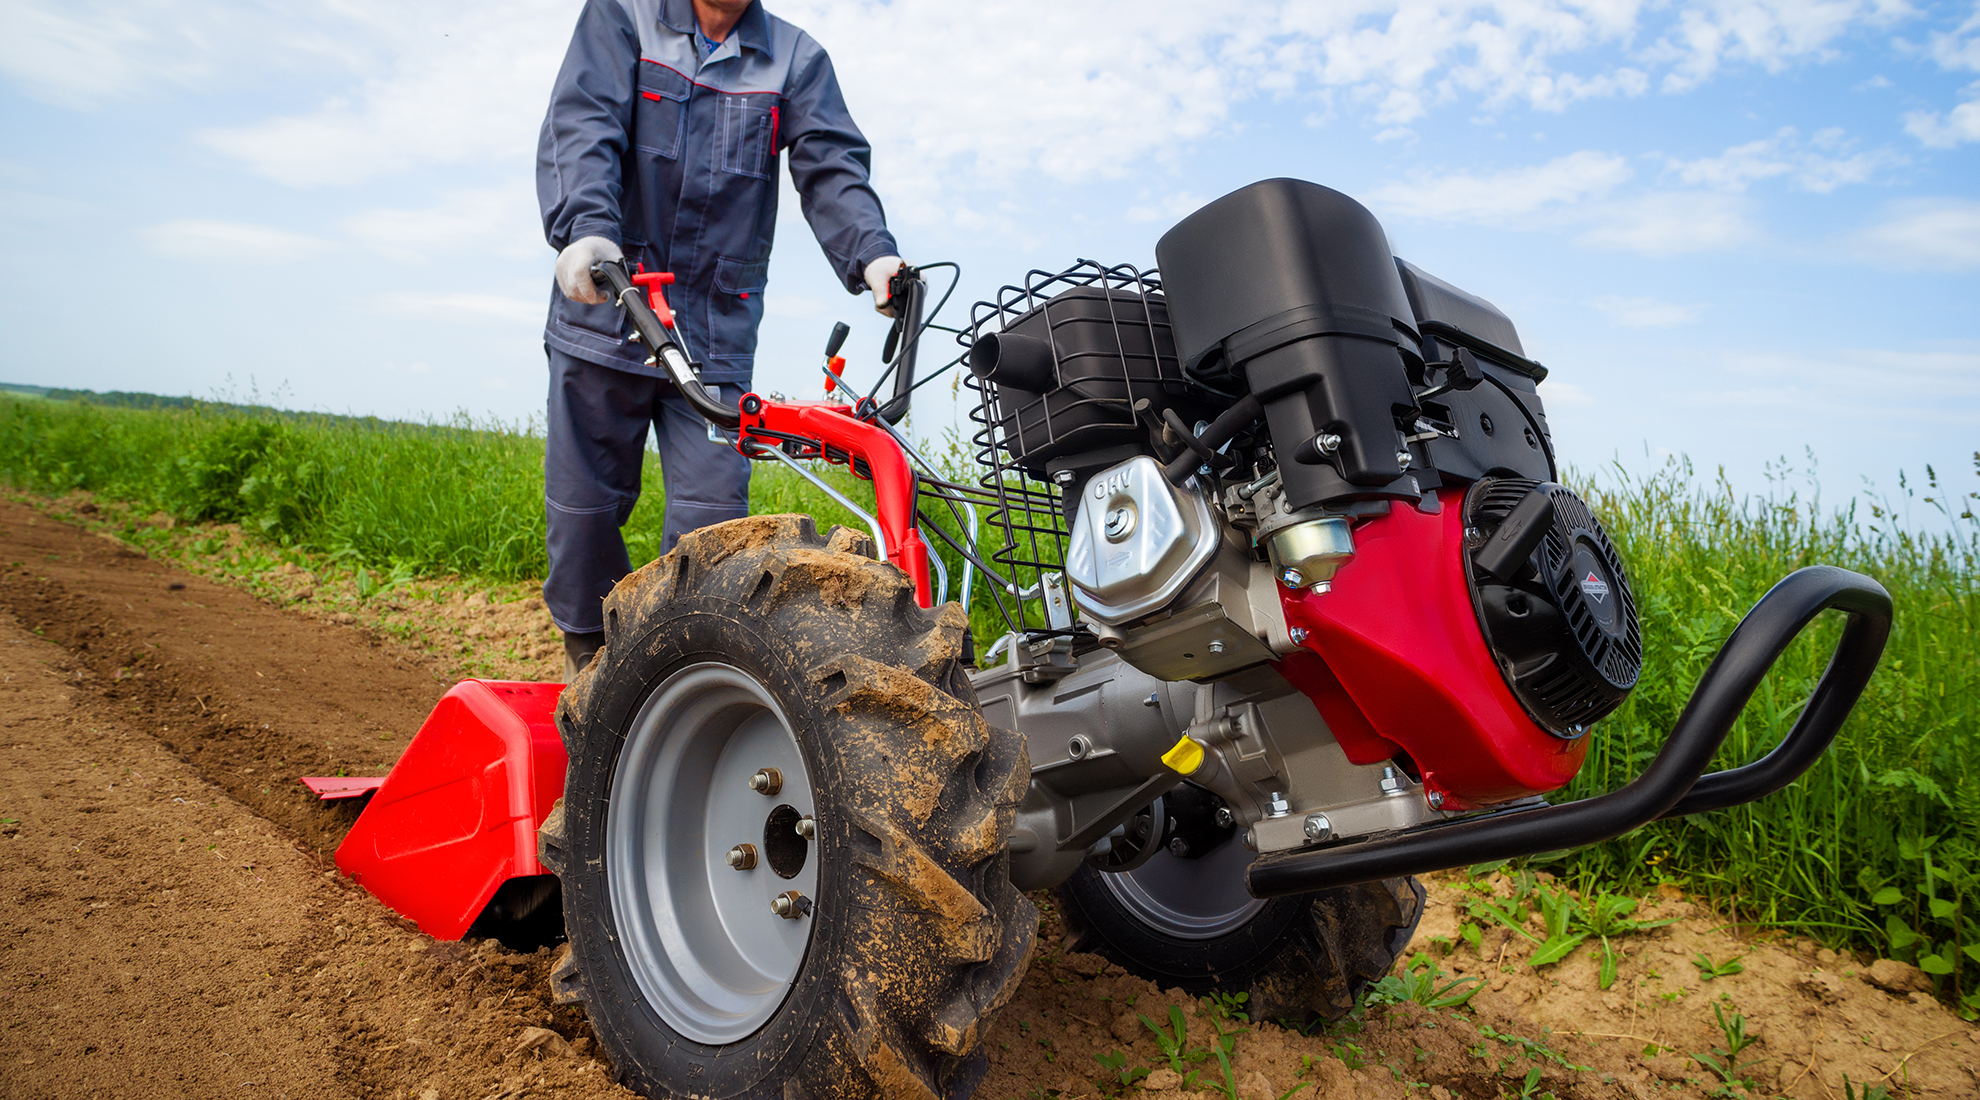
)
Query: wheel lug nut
[
  {"x": 768, "y": 781},
  {"x": 807, "y": 828},
  {"x": 790, "y": 905},
  {"x": 742, "y": 857}
]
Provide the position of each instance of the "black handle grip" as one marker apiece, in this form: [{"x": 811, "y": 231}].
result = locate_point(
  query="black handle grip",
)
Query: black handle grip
[
  {"x": 666, "y": 351},
  {"x": 840, "y": 330},
  {"x": 909, "y": 293}
]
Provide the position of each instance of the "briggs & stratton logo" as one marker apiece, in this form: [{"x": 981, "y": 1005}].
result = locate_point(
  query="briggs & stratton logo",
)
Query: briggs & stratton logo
[{"x": 1595, "y": 587}]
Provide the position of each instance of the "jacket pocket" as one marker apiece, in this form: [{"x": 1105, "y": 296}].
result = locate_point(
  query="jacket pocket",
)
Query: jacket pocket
[
  {"x": 740, "y": 277},
  {"x": 748, "y": 135},
  {"x": 660, "y": 112}
]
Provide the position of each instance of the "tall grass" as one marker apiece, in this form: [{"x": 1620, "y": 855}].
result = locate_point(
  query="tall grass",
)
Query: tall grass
[
  {"x": 1878, "y": 846},
  {"x": 1879, "y": 843}
]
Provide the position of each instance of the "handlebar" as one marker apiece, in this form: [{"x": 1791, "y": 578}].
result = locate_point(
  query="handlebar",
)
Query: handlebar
[
  {"x": 667, "y": 352},
  {"x": 907, "y": 290}
]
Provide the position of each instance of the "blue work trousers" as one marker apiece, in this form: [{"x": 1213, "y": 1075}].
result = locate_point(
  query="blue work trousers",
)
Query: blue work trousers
[{"x": 595, "y": 448}]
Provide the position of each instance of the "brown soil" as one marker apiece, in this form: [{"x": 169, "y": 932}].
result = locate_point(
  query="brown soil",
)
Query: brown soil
[{"x": 172, "y": 925}]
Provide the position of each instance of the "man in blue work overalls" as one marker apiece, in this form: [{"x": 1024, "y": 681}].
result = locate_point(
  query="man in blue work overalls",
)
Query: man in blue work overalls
[{"x": 661, "y": 147}]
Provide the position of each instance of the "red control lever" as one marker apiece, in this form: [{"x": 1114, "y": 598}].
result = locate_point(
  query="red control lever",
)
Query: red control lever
[{"x": 653, "y": 281}]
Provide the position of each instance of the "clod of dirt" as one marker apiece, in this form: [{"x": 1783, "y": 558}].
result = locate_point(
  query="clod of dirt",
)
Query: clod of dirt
[
  {"x": 1892, "y": 976},
  {"x": 543, "y": 1039}
]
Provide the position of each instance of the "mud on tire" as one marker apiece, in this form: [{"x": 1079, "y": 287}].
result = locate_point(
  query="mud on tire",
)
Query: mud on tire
[
  {"x": 917, "y": 934},
  {"x": 1298, "y": 958}
]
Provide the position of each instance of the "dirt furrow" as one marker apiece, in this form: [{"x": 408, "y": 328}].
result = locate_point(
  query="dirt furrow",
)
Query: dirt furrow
[{"x": 170, "y": 924}]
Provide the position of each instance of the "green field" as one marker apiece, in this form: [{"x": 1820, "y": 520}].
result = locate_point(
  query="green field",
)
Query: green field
[{"x": 1877, "y": 848}]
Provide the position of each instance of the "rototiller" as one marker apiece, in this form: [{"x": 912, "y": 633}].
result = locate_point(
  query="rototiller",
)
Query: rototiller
[{"x": 1293, "y": 608}]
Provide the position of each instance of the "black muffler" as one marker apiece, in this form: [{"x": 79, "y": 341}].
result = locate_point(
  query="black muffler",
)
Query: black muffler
[{"x": 1674, "y": 784}]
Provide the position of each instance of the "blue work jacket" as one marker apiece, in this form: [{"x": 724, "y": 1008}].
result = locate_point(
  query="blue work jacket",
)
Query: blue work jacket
[{"x": 675, "y": 157}]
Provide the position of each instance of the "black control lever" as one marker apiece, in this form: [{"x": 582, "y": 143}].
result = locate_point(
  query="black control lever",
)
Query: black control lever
[
  {"x": 840, "y": 330},
  {"x": 667, "y": 351},
  {"x": 908, "y": 292},
  {"x": 1461, "y": 373}
]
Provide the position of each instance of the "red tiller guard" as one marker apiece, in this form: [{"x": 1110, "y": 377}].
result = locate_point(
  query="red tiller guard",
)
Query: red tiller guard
[
  {"x": 457, "y": 816},
  {"x": 1398, "y": 663},
  {"x": 841, "y": 437}
]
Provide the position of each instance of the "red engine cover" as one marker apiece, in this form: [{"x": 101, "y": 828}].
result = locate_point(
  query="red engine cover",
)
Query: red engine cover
[
  {"x": 458, "y": 815},
  {"x": 1398, "y": 662}
]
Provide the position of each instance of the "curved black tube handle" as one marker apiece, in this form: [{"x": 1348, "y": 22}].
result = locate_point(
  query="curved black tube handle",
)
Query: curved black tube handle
[
  {"x": 1672, "y": 784},
  {"x": 666, "y": 351},
  {"x": 909, "y": 293},
  {"x": 1747, "y": 656}
]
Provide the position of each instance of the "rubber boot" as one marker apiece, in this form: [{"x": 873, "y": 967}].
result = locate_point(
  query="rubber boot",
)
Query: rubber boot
[{"x": 579, "y": 649}]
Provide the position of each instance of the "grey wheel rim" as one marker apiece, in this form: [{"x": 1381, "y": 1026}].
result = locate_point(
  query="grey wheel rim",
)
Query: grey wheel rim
[
  {"x": 1190, "y": 899},
  {"x": 707, "y": 952}
]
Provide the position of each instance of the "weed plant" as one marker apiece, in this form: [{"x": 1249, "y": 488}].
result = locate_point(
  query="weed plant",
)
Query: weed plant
[{"x": 1877, "y": 846}]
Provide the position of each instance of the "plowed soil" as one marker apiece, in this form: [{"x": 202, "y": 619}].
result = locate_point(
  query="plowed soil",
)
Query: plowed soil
[{"x": 171, "y": 924}]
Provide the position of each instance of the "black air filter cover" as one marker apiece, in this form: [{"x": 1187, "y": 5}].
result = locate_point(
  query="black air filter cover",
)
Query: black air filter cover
[
  {"x": 1562, "y": 625},
  {"x": 1293, "y": 288}
]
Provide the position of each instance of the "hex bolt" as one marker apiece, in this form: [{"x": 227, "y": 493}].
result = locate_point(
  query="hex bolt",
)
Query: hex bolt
[
  {"x": 767, "y": 781},
  {"x": 1064, "y": 477},
  {"x": 1216, "y": 647},
  {"x": 1224, "y": 817},
  {"x": 1291, "y": 577},
  {"x": 1436, "y": 800},
  {"x": 1392, "y": 782},
  {"x": 790, "y": 905},
  {"x": 1154, "y": 699},
  {"x": 1277, "y": 806},
  {"x": 1403, "y": 459},
  {"x": 742, "y": 857},
  {"x": 1178, "y": 847},
  {"x": 807, "y": 828},
  {"x": 1326, "y": 443},
  {"x": 1298, "y": 634},
  {"x": 1318, "y": 828}
]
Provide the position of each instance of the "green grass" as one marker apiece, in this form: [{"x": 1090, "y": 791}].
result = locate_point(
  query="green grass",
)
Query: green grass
[{"x": 1877, "y": 847}]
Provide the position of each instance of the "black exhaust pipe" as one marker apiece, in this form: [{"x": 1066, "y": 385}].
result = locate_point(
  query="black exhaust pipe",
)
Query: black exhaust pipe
[{"x": 1673, "y": 785}]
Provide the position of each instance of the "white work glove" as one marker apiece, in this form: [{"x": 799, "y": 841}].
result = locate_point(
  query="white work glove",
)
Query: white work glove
[
  {"x": 574, "y": 269},
  {"x": 877, "y": 274}
]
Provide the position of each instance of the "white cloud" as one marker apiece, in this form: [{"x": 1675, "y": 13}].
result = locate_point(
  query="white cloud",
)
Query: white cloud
[
  {"x": 203, "y": 240},
  {"x": 502, "y": 220},
  {"x": 1889, "y": 386},
  {"x": 1170, "y": 208},
  {"x": 1961, "y": 124},
  {"x": 471, "y": 307},
  {"x": 1494, "y": 198},
  {"x": 449, "y": 87},
  {"x": 1671, "y": 223},
  {"x": 1959, "y": 48},
  {"x": 1647, "y": 312},
  {"x": 1925, "y": 234},
  {"x": 1074, "y": 91},
  {"x": 1772, "y": 34},
  {"x": 1784, "y": 155}
]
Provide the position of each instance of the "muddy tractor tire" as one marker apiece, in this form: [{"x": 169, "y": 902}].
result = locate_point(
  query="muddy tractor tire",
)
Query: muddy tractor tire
[
  {"x": 783, "y": 836},
  {"x": 1189, "y": 924}
]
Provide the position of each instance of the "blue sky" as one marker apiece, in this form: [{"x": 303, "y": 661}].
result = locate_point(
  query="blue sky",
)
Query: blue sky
[{"x": 1735, "y": 230}]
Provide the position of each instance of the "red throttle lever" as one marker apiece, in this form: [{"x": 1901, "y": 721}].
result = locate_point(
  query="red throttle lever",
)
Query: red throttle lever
[{"x": 653, "y": 281}]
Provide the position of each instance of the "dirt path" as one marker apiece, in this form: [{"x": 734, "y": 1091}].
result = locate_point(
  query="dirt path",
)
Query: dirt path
[{"x": 170, "y": 924}]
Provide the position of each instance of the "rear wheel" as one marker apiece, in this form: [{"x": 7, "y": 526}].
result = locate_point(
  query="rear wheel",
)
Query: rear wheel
[
  {"x": 782, "y": 841},
  {"x": 1189, "y": 923}
]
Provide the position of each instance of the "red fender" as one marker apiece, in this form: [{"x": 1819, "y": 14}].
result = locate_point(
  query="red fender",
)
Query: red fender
[{"x": 457, "y": 816}]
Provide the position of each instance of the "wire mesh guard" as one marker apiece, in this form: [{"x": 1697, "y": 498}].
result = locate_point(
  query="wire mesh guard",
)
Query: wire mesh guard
[{"x": 1111, "y": 365}]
